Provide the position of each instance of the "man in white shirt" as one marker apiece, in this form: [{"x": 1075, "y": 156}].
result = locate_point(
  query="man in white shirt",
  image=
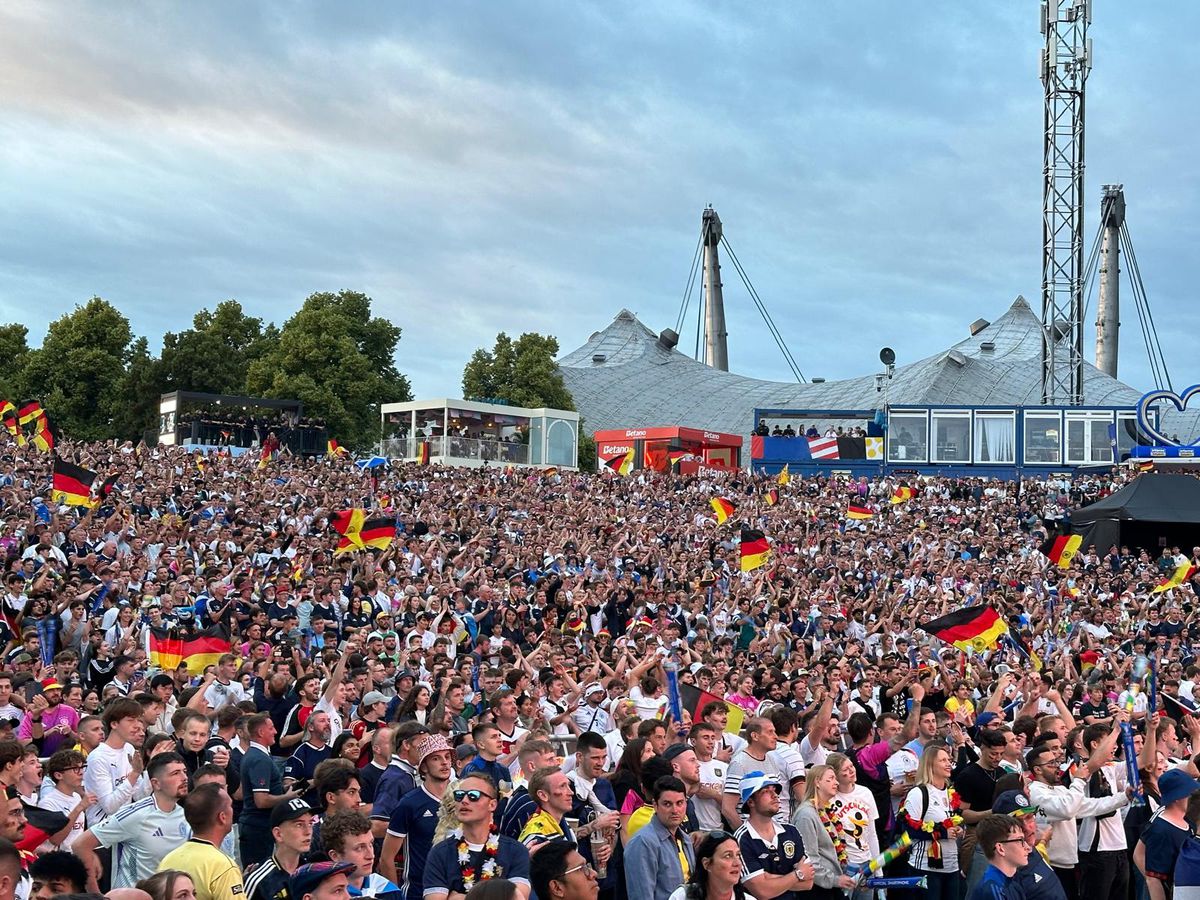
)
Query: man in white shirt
[
  {"x": 333, "y": 699},
  {"x": 115, "y": 766},
  {"x": 65, "y": 769},
  {"x": 1103, "y": 863},
  {"x": 225, "y": 691},
  {"x": 707, "y": 801},
  {"x": 591, "y": 715},
  {"x": 142, "y": 833}
]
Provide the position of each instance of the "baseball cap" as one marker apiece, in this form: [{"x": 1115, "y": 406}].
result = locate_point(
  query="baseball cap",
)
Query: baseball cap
[
  {"x": 51, "y": 684},
  {"x": 985, "y": 718},
  {"x": 753, "y": 782},
  {"x": 373, "y": 697},
  {"x": 286, "y": 812},
  {"x": 307, "y": 878},
  {"x": 1013, "y": 803},
  {"x": 676, "y": 750}
]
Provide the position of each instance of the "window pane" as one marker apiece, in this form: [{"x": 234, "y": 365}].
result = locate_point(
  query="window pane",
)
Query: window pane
[
  {"x": 995, "y": 439},
  {"x": 1075, "y": 441},
  {"x": 951, "y": 438},
  {"x": 1042, "y": 439},
  {"x": 908, "y": 437},
  {"x": 1101, "y": 446}
]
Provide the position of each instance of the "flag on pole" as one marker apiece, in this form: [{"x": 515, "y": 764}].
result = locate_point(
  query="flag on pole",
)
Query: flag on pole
[
  {"x": 902, "y": 494},
  {"x": 1181, "y": 575},
  {"x": 1061, "y": 549},
  {"x": 622, "y": 463},
  {"x": 72, "y": 484},
  {"x": 755, "y": 551},
  {"x": 853, "y": 511},
  {"x": 783, "y": 477}
]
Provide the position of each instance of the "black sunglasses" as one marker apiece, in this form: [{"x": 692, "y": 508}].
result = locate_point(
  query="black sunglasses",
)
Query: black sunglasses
[{"x": 473, "y": 795}]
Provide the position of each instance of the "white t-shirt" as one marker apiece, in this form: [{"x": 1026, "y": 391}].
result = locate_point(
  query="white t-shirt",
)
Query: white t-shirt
[
  {"x": 336, "y": 726},
  {"x": 647, "y": 707},
  {"x": 219, "y": 695},
  {"x": 708, "y": 812},
  {"x": 813, "y": 755},
  {"x": 549, "y": 710},
  {"x": 57, "y": 801},
  {"x": 858, "y": 813},
  {"x": 901, "y": 768},
  {"x": 141, "y": 835},
  {"x": 938, "y": 810}
]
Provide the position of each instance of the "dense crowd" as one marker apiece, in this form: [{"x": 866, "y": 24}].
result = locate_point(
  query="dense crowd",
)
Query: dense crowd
[{"x": 484, "y": 708}]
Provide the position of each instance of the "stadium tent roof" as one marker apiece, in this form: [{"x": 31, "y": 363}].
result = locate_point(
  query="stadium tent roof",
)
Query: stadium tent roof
[
  {"x": 1153, "y": 506},
  {"x": 624, "y": 376}
]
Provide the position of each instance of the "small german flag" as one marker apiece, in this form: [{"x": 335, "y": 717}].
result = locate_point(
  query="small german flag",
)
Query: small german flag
[
  {"x": 858, "y": 512},
  {"x": 43, "y": 436},
  {"x": 674, "y": 457},
  {"x": 201, "y": 462},
  {"x": 29, "y": 412},
  {"x": 755, "y": 549},
  {"x": 1025, "y": 650},
  {"x": 1146, "y": 466},
  {"x": 348, "y": 523},
  {"x": 1061, "y": 549},
  {"x": 550, "y": 472},
  {"x": 333, "y": 448},
  {"x": 723, "y": 508},
  {"x": 298, "y": 569},
  {"x": 72, "y": 484},
  {"x": 377, "y": 533},
  {"x": 784, "y": 477},
  {"x": 772, "y": 496},
  {"x": 975, "y": 628},
  {"x": 423, "y": 453},
  {"x": 622, "y": 463},
  {"x": 8, "y": 415},
  {"x": 1181, "y": 575},
  {"x": 106, "y": 487},
  {"x": 903, "y": 494}
]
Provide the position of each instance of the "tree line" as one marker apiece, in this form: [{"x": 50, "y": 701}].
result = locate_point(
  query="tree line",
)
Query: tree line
[{"x": 99, "y": 381}]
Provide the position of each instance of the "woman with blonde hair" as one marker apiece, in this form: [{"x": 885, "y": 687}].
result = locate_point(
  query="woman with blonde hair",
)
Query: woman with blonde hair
[
  {"x": 931, "y": 817},
  {"x": 823, "y": 835},
  {"x": 169, "y": 884},
  {"x": 855, "y": 806}
]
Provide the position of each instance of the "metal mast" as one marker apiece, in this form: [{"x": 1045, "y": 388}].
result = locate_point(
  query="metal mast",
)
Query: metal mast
[
  {"x": 716, "y": 348},
  {"x": 1108, "y": 307},
  {"x": 1065, "y": 63}
]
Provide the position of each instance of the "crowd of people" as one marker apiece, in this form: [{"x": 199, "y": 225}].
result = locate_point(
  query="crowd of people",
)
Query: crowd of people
[{"x": 485, "y": 708}]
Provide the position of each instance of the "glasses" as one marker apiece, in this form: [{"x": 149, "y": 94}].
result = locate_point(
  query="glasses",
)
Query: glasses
[
  {"x": 586, "y": 868},
  {"x": 473, "y": 795},
  {"x": 1016, "y": 840}
]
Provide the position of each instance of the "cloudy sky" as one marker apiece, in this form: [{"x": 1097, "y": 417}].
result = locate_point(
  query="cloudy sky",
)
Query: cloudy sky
[{"x": 526, "y": 166}]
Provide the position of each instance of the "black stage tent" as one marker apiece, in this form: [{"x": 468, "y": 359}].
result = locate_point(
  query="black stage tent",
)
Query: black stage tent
[{"x": 1155, "y": 510}]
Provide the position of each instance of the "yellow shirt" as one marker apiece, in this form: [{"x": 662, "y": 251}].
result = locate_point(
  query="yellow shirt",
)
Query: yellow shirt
[
  {"x": 638, "y": 819},
  {"x": 952, "y": 705},
  {"x": 215, "y": 875},
  {"x": 540, "y": 828}
]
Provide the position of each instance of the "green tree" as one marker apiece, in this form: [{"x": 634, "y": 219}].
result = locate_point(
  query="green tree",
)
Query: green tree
[
  {"x": 339, "y": 361},
  {"x": 214, "y": 355},
  {"x": 14, "y": 355},
  {"x": 142, "y": 388},
  {"x": 521, "y": 372},
  {"x": 79, "y": 371}
]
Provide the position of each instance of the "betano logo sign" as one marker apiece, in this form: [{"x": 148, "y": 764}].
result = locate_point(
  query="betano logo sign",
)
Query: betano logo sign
[
  {"x": 635, "y": 433},
  {"x": 608, "y": 451}
]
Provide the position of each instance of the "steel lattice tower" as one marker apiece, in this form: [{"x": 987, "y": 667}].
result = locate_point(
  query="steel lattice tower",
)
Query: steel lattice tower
[{"x": 1066, "y": 61}]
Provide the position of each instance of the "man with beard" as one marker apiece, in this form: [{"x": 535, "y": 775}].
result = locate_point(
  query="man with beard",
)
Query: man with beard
[
  {"x": 49, "y": 722},
  {"x": 301, "y": 768},
  {"x": 147, "y": 831}
]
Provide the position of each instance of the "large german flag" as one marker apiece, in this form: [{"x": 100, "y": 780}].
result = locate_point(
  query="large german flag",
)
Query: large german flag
[
  {"x": 349, "y": 524},
  {"x": 723, "y": 508},
  {"x": 1061, "y": 549},
  {"x": 333, "y": 448},
  {"x": 755, "y": 549},
  {"x": 853, "y": 511},
  {"x": 377, "y": 533},
  {"x": 423, "y": 453},
  {"x": 903, "y": 493},
  {"x": 169, "y": 647},
  {"x": 975, "y": 628},
  {"x": 72, "y": 484},
  {"x": 29, "y": 412},
  {"x": 1181, "y": 575},
  {"x": 693, "y": 700}
]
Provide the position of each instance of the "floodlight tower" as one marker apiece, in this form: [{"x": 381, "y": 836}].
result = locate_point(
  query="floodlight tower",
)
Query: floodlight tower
[
  {"x": 1065, "y": 63},
  {"x": 716, "y": 347}
]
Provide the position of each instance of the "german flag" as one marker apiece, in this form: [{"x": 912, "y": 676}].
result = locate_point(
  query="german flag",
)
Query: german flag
[
  {"x": 72, "y": 484},
  {"x": 1025, "y": 650},
  {"x": 1061, "y": 549},
  {"x": 349, "y": 524},
  {"x": 43, "y": 436},
  {"x": 723, "y": 508},
  {"x": 903, "y": 494},
  {"x": 784, "y": 477},
  {"x": 333, "y": 448},
  {"x": 622, "y": 463},
  {"x": 858, "y": 512},
  {"x": 550, "y": 472},
  {"x": 8, "y": 414},
  {"x": 377, "y": 533},
  {"x": 106, "y": 487},
  {"x": 755, "y": 549},
  {"x": 772, "y": 496},
  {"x": 1146, "y": 466},
  {"x": 975, "y": 628},
  {"x": 29, "y": 412},
  {"x": 693, "y": 700},
  {"x": 1181, "y": 575},
  {"x": 423, "y": 453},
  {"x": 674, "y": 457},
  {"x": 169, "y": 647}
]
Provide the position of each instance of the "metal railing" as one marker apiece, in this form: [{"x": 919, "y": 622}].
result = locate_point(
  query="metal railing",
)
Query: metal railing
[{"x": 459, "y": 448}]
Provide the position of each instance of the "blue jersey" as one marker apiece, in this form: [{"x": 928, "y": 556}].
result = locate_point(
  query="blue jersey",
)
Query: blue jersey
[
  {"x": 1036, "y": 881},
  {"x": 443, "y": 874},
  {"x": 302, "y": 765},
  {"x": 414, "y": 819},
  {"x": 994, "y": 885}
]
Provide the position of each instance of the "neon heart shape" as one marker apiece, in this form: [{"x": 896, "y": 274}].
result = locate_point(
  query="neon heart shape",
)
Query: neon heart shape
[{"x": 1179, "y": 401}]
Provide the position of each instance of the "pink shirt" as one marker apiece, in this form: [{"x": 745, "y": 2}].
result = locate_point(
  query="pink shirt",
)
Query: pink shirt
[{"x": 56, "y": 715}]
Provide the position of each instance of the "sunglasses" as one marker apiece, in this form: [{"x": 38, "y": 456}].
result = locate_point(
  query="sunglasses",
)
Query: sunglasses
[
  {"x": 473, "y": 795},
  {"x": 586, "y": 868}
]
